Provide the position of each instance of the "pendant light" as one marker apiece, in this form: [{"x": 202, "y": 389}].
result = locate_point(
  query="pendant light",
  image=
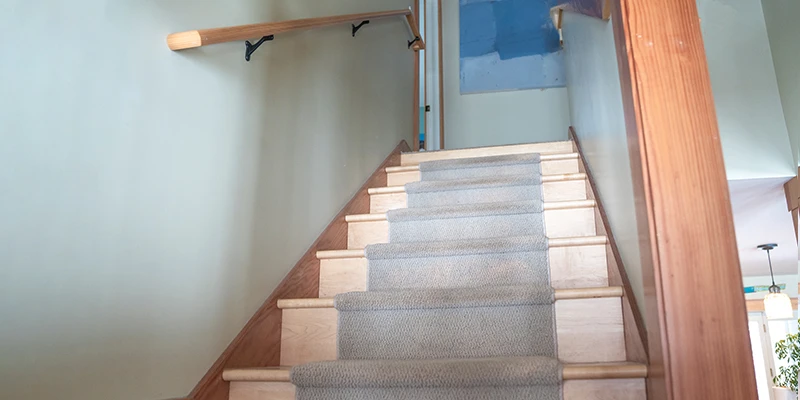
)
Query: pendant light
[{"x": 777, "y": 305}]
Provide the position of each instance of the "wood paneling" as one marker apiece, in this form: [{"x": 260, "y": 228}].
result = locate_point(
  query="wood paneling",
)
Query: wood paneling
[
  {"x": 698, "y": 341},
  {"x": 258, "y": 343},
  {"x": 635, "y": 335}
]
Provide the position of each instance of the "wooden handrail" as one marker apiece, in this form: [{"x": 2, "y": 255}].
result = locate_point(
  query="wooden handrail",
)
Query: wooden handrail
[{"x": 204, "y": 37}]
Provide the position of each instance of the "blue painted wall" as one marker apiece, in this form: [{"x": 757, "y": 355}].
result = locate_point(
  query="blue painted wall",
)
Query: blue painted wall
[{"x": 508, "y": 45}]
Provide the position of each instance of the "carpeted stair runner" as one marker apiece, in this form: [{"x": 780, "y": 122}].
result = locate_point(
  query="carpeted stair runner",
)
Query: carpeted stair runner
[
  {"x": 474, "y": 191},
  {"x": 493, "y": 321},
  {"x": 459, "y": 263},
  {"x": 484, "y": 167},
  {"x": 458, "y": 303},
  {"x": 471, "y": 379},
  {"x": 466, "y": 221}
]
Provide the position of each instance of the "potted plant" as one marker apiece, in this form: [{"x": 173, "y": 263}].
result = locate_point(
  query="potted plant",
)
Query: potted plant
[{"x": 785, "y": 382}]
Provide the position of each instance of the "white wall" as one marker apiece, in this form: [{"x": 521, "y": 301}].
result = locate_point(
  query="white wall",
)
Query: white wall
[
  {"x": 781, "y": 17},
  {"x": 755, "y": 141},
  {"x": 150, "y": 201},
  {"x": 597, "y": 116},
  {"x": 488, "y": 119}
]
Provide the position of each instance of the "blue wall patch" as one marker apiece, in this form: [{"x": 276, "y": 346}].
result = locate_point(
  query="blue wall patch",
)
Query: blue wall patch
[{"x": 508, "y": 45}]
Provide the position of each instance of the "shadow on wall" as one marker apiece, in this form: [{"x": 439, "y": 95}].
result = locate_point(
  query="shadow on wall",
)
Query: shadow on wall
[{"x": 159, "y": 197}]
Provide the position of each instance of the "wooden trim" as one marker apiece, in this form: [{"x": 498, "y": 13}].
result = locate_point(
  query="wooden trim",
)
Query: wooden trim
[
  {"x": 205, "y": 37},
  {"x": 603, "y": 371},
  {"x": 415, "y": 113},
  {"x": 635, "y": 336},
  {"x": 698, "y": 341},
  {"x": 792, "y": 191},
  {"x": 606, "y": 9},
  {"x": 592, "y": 8},
  {"x": 441, "y": 79},
  {"x": 258, "y": 343},
  {"x": 413, "y": 25},
  {"x": 758, "y": 305}
]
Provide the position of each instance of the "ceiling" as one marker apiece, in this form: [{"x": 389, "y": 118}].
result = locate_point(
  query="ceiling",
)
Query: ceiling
[{"x": 760, "y": 216}]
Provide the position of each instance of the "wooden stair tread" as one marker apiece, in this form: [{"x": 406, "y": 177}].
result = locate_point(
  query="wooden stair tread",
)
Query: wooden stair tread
[
  {"x": 553, "y": 205},
  {"x": 621, "y": 370},
  {"x": 544, "y": 157},
  {"x": 560, "y": 147},
  {"x": 553, "y": 243},
  {"x": 268, "y": 374},
  {"x": 545, "y": 179},
  {"x": 560, "y": 294}
]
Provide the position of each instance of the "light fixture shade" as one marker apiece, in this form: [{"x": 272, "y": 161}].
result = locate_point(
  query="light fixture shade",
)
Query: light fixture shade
[{"x": 778, "y": 306}]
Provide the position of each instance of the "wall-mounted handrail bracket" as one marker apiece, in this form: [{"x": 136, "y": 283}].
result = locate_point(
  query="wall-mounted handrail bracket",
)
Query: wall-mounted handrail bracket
[
  {"x": 250, "y": 48},
  {"x": 357, "y": 27},
  {"x": 411, "y": 42}
]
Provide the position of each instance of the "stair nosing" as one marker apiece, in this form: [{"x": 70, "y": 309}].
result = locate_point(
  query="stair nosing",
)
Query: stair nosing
[
  {"x": 548, "y": 206},
  {"x": 552, "y": 242},
  {"x": 598, "y": 371},
  {"x": 544, "y": 157},
  {"x": 560, "y": 294},
  {"x": 577, "y": 176}
]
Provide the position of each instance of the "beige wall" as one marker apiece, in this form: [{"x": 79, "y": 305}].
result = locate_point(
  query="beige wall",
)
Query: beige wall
[
  {"x": 488, "y": 119},
  {"x": 781, "y": 17},
  {"x": 752, "y": 128},
  {"x": 597, "y": 116},
  {"x": 149, "y": 200}
]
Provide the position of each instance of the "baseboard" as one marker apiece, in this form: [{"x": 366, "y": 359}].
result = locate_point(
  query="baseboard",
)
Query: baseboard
[{"x": 258, "y": 344}]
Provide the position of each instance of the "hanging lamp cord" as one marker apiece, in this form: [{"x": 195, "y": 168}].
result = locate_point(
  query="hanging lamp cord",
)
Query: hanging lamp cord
[{"x": 769, "y": 258}]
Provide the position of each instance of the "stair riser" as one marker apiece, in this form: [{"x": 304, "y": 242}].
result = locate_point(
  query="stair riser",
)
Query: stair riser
[
  {"x": 588, "y": 330},
  {"x": 606, "y": 389},
  {"x": 577, "y": 222},
  {"x": 548, "y": 168},
  {"x": 551, "y": 192},
  {"x": 543, "y": 148},
  {"x": 570, "y": 267}
]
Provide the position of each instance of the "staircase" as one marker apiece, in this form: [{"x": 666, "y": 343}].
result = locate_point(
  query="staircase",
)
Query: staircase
[{"x": 399, "y": 360}]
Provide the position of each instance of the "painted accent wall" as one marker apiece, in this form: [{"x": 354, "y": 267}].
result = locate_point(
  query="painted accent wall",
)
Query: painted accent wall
[
  {"x": 755, "y": 140},
  {"x": 497, "y": 118},
  {"x": 781, "y": 17},
  {"x": 150, "y": 201},
  {"x": 597, "y": 115},
  {"x": 508, "y": 45}
]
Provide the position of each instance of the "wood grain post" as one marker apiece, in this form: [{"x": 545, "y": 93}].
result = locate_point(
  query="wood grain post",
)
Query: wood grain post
[{"x": 694, "y": 306}]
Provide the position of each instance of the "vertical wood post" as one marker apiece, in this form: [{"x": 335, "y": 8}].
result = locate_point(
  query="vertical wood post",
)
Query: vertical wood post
[{"x": 695, "y": 308}]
